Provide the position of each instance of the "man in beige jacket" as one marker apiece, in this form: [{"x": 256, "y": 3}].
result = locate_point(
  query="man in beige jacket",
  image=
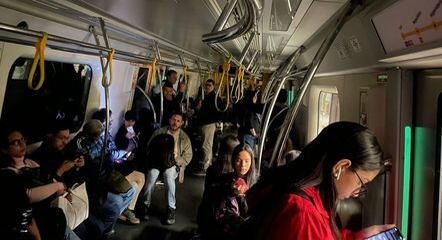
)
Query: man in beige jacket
[{"x": 182, "y": 157}]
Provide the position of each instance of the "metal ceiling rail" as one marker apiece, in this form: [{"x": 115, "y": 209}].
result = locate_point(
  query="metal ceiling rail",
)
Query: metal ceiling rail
[
  {"x": 322, "y": 51},
  {"x": 119, "y": 54},
  {"x": 244, "y": 25}
]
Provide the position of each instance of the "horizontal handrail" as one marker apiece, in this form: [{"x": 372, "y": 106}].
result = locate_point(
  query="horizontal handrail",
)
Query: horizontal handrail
[{"x": 119, "y": 54}]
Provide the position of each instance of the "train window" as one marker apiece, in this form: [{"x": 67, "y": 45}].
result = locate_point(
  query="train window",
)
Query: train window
[
  {"x": 328, "y": 109},
  {"x": 63, "y": 95}
]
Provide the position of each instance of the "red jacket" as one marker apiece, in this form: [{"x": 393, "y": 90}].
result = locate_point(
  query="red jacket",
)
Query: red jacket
[{"x": 297, "y": 218}]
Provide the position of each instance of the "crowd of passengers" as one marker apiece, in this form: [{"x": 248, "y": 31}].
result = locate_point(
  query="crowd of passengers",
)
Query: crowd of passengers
[{"x": 77, "y": 187}]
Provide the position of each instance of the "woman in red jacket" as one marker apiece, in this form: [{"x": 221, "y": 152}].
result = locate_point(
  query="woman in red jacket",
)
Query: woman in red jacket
[{"x": 298, "y": 201}]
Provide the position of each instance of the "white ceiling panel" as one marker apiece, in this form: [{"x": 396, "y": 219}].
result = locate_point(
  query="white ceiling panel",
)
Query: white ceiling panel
[{"x": 318, "y": 14}]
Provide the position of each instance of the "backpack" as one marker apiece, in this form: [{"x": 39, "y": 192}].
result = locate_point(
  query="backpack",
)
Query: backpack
[{"x": 160, "y": 152}]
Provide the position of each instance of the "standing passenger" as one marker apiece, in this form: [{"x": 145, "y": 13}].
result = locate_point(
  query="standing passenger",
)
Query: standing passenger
[
  {"x": 171, "y": 103},
  {"x": 208, "y": 116},
  {"x": 249, "y": 124}
]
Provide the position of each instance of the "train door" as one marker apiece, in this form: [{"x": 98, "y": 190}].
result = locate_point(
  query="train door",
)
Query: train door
[
  {"x": 425, "y": 215},
  {"x": 373, "y": 204}
]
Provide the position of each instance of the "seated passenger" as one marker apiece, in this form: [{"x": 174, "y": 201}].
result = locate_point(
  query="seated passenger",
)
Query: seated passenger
[
  {"x": 55, "y": 162},
  {"x": 51, "y": 221},
  {"x": 108, "y": 203},
  {"x": 223, "y": 163},
  {"x": 16, "y": 221},
  {"x": 126, "y": 139},
  {"x": 221, "y": 213},
  {"x": 170, "y": 160},
  {"x": 298, "y": 200},
  {"x": 113, "y": 151}
]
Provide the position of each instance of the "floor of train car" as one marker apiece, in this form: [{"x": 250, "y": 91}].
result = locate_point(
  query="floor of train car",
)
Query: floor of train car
[{"x": 188, "y": 197}]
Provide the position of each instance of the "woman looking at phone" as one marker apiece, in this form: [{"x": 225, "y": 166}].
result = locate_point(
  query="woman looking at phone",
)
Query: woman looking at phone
[
  {"x": 226, "y": 209},
  {"x": 298, "y": 200}
]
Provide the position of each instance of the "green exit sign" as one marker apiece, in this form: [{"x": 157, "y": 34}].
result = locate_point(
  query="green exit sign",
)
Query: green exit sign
[{"x": 382, "y": 78}]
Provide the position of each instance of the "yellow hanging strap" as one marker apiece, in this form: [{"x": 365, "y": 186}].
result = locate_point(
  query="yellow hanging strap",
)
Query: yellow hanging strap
[
  {"x": 216, "y": 78},
  {"x": 224, "y": 79},
  {"x": 152, "y": 76},
  {"x": 109, "y": 58},
  {"x": 39, "y": 58},
  {"x": 238, "y": 83},
  {"x": 252, "y": 83}
]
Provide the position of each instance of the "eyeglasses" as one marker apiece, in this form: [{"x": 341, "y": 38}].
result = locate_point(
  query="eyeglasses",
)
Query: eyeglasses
[
  {"x": 363, "y": 189},
  {"x": 17, "y": 142}
]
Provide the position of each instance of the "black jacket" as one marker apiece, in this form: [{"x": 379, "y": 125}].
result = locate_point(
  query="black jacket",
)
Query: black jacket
[
  {"x": 169, "y": 107},
  {"x": 208, "y": 113},
  {"x": 50, "y": 160}
]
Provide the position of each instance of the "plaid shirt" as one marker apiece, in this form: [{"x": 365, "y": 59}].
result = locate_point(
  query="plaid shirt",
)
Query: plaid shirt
[{"x": 92, "y": 148}]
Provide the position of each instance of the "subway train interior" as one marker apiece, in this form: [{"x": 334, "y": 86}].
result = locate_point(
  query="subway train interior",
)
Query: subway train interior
[{"x": 279, "y": 71}]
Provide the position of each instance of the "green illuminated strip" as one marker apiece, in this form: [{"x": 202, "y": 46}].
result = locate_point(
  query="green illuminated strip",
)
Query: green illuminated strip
[
  {"x": 406, "y": 185},
  {"x": 290, "y": 97}
]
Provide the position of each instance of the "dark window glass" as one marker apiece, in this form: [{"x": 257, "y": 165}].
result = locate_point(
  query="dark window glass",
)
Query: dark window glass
[{"x": 63, "y": 96}]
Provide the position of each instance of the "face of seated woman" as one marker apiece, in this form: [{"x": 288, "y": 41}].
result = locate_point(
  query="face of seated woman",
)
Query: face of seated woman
[
  {"x": 242, "y": 163},
  {"x": 16, "y": 145}
]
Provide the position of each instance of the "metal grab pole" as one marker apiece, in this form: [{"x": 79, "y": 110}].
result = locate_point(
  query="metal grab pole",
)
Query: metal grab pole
[
  {"x": 240, "y": 28},
  {"x": 202, "y": 81},
  {"x": 268, "y": 113},
  {"x": 322, "y": 51},
  {"x": 247, "y": 47},
  {"x": 265, "y": 125},
  {"x": 252, "y": 59},
  {"x": 149, "y": 101},
  {"x": 225, "y": 14},
  {"x": 106, "y": 84}
]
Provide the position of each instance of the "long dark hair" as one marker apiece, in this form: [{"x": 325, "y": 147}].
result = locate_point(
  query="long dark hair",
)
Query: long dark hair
[
  {"x": 313, "y": 168},
  {"x": 224, "y": 159},
  {"x": 251, "y": 174}
]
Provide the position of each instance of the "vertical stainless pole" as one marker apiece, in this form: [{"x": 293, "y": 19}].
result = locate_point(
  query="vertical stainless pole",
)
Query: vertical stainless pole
[
  {"x": 252, "y": 59},
  {"x": 106, "y": 97},
  {"x": 322, "y": 51},
  {"x": 268, "y": 114}
]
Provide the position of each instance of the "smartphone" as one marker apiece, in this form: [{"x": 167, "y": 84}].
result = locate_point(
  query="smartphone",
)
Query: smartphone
[
  {"x": 390, "y": 234},
  {"x": 130, "y": 130}
]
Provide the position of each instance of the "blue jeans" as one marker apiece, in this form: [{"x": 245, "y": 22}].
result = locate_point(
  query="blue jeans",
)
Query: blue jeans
[
  {"x": 120, "y": 201},
  {"x": 70, "y": 235},
  {"x": 169, "y": 175},
  {"x": 248, "y": 139}
]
